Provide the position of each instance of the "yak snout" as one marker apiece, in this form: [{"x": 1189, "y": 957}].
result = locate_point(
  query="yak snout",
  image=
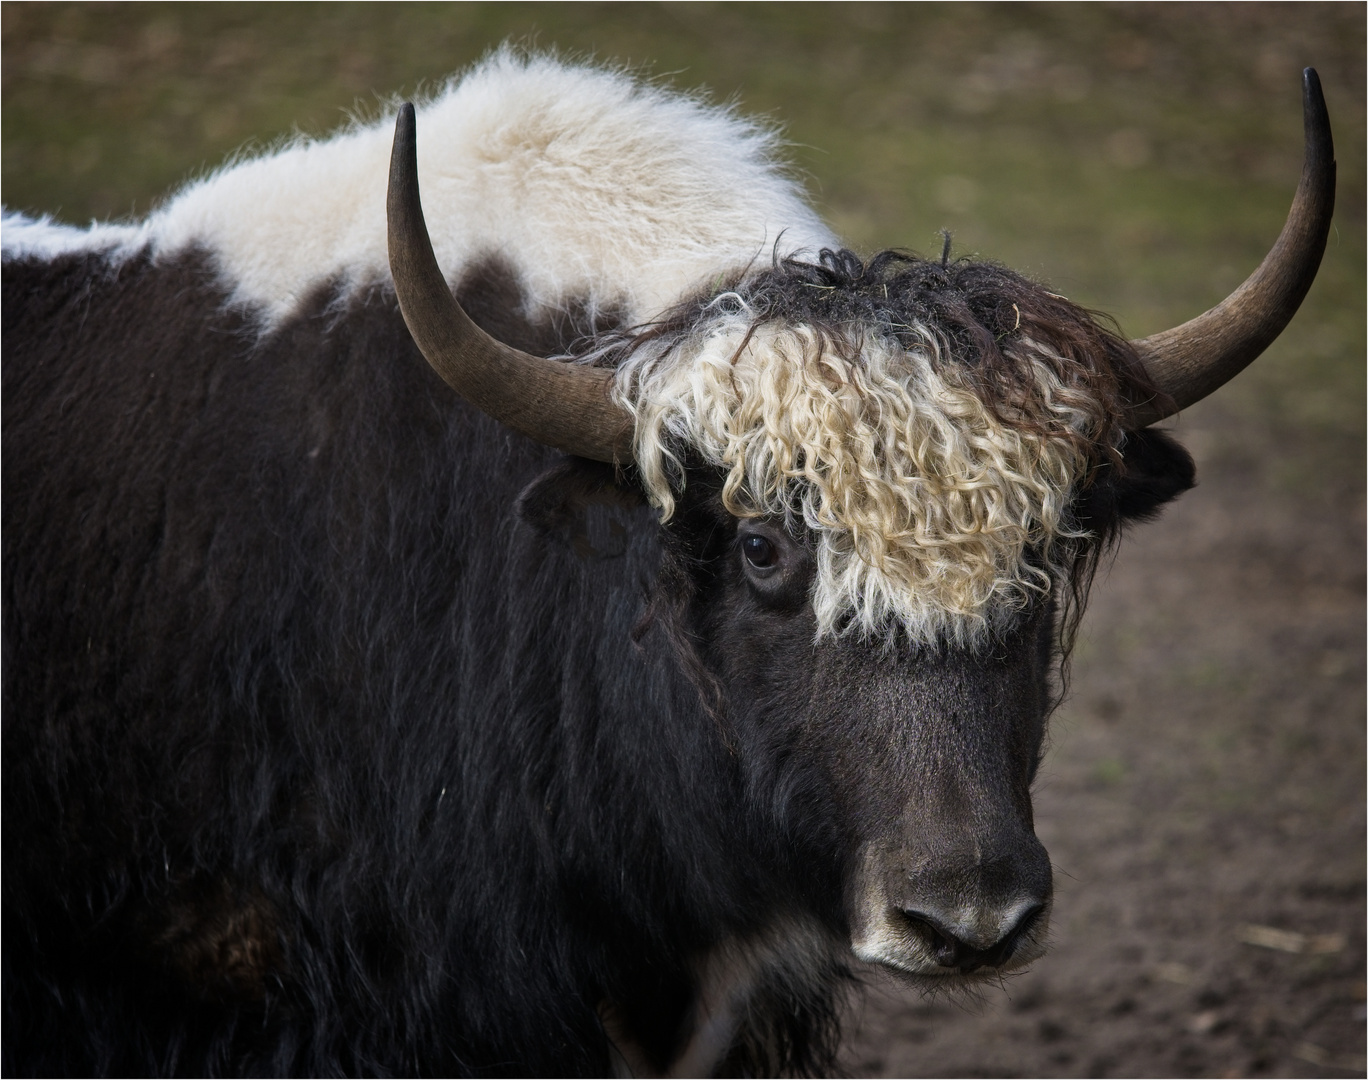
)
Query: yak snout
[{"x": 958, "y": 909}]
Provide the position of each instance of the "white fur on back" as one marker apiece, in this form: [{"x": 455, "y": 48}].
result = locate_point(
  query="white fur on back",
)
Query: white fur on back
[
  {"x": 589, "y": 183},
  {"x": 25, "y": 237}
]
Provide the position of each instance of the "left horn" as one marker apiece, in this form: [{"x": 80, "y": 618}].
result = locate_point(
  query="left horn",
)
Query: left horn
[
  {"x": 1188, "y": 362},
  {"x": 560, "y": 405}
]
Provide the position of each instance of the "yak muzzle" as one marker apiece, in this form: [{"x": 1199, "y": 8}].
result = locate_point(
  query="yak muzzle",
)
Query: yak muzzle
[{"x": 952, "y": 913}]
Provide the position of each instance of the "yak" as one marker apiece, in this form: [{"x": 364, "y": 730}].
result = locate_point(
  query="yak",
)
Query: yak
[{"x": 596, "y": 696}]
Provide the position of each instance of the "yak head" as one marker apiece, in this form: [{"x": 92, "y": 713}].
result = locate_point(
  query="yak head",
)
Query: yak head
[{"x": 883, "y": 489}]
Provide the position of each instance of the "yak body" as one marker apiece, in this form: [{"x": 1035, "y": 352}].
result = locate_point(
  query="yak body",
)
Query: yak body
[{"x": 346, "y": 731}]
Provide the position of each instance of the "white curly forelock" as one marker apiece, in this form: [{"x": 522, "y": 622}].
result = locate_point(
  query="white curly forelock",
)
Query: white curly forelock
[{"x": 931, "y": 515}]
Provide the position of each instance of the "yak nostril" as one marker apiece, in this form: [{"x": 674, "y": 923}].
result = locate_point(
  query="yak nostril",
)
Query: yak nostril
[
  {"x": 945, "y": 948},
  {"x": 1024, "y": 924},
  {"x": 950, "y": 951}
]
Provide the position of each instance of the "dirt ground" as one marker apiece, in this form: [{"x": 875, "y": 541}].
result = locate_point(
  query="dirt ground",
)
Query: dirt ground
[{"x": 1204, "y": 784}]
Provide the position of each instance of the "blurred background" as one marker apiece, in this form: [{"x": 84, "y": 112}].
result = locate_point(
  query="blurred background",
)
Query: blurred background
[{"x": 1204, "y": 795}]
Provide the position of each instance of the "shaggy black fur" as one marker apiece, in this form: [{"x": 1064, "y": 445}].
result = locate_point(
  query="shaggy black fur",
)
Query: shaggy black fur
[{"x": 327, "y": 746}]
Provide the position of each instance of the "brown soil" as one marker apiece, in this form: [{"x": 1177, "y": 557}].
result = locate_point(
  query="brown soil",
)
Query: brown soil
[{"x": 1206, "y": 775}]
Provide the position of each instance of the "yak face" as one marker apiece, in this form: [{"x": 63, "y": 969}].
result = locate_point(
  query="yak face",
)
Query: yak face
[
  {"x": 874, "y": 534},
  {"x": 896, "y": 779}
]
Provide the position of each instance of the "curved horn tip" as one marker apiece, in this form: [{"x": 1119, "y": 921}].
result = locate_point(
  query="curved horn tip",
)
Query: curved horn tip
[
  {"x": 404, "y": 128},
  {"x": 1190, "y": 361},
  {"x": 1316, "y": 117},
  {"x": 405, "y": 134}
]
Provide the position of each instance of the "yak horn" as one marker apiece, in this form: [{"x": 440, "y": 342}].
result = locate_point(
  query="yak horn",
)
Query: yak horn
[
  {"x": 1188, "y": 362},
  {"x": 558, "y": 404}
]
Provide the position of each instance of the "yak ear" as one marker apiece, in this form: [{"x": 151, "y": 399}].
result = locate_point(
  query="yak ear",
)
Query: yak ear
[
  {"x": 1154, "y": 470},
  {"x": 586, "y": 506}
]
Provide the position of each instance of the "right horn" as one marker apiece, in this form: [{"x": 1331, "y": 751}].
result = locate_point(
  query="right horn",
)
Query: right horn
[
  {"x": 567, "y": 406},
  {"x": 1190, "y": 361}
]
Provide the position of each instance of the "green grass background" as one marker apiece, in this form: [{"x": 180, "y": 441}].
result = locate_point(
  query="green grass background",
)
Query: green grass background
[{"x": 1140, "y": 158}]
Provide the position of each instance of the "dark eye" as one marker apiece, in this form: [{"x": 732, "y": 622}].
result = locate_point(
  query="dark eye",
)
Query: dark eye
[{"x": 760, "y": 553}]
